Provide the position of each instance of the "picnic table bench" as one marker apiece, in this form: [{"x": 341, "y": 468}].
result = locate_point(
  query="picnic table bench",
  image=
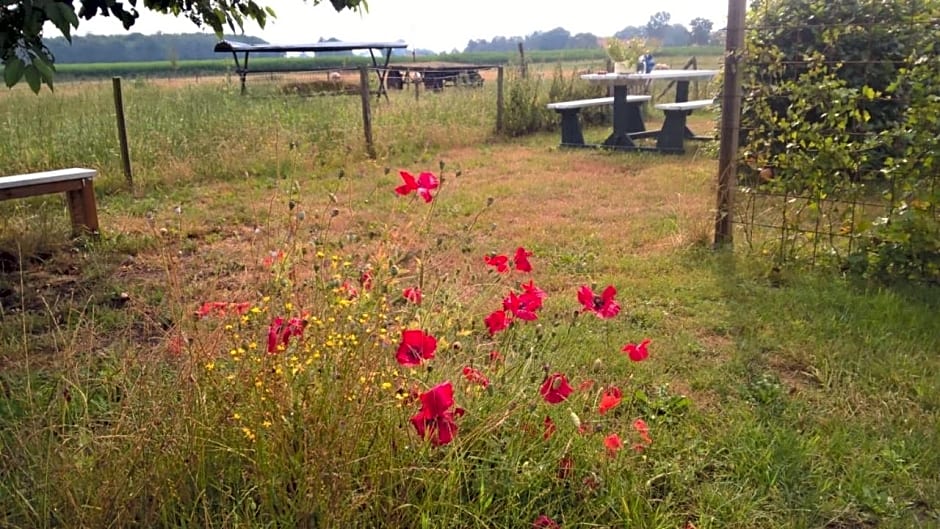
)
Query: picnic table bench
[
  {"x": 630, "y": 120},
  {"x": 675, "y": 130},
  {"x": 76, "y": 183}
]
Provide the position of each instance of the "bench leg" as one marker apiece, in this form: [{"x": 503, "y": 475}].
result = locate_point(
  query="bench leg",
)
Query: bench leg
[
  {"x": 571, "y": 127},
  {"x": 671, "y": 137},
  {"x": 82, "y": 209}
]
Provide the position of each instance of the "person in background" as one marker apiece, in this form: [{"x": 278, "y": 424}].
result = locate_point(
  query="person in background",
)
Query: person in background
[{"x": 647, "y": 61}]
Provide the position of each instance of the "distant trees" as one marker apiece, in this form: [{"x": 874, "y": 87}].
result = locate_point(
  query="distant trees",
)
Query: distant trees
[
  {"x": 555, "y": 39},
  {"x": 701, "y": 31},
  {"x": 657, "y": 26},
  {"x": 135, "y": 47}
]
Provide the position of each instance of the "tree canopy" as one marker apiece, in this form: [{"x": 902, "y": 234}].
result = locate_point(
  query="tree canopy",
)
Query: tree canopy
[{"x": 25, "y": 55}]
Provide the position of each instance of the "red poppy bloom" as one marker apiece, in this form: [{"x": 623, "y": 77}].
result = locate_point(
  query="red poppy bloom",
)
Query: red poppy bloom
[
  {"x": 613, "y": 444},
  {"x": 212, "y": 307},
  {"x": 521, "y": 260},
  {"x": 475, "y": 376},
  {"x": 534, "y": 295},
  {"x": 280, "y": 332},
  {"x": 242, "y": 307},
  {"x": 520, "y": 306},
  {"x": 497, "y": 321},
  {"x": 604, "y": 305},
  {"x": 610, "y": 399},
  {"x": 637, "y": 353},
  {"x": 499, "y": 262},
  {"x": 273, "y": 257},
  {"x": 349, "y": 289},
  {"x": 435, "y": 421},
  {"x": 549, "y": 428},
  {"x": 365, "y": 279},
  {"x": 555, "y": 388},
  {"x": 544, "y": 522},
  {"x": 641, "y": 428},
  {"x": 425, "y": 183},
  {"x": 586, "y": 385},
  {"x": 415, "y": 347},
  {"x": 496, "y": 357},
  {"x": 413, "y": 294}
]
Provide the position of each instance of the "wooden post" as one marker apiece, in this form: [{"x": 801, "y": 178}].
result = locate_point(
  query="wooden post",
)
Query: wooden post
[
  {"x": 122, "y": 131},
  {"x": 499, "y": 99},
  {"x": 730, "y": 124},
  {"x": 523, "y": 70},
  {"x": 366, "y": 109}
]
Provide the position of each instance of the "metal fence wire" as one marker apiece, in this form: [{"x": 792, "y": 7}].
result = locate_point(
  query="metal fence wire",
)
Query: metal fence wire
[{"x": 839, "y": 146}]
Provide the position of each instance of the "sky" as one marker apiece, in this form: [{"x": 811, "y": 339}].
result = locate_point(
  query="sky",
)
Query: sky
[{"x": 439, "y": 25}]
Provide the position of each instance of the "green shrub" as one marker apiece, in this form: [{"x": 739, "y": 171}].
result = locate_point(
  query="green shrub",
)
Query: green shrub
[{"x": 526, "y": 109}]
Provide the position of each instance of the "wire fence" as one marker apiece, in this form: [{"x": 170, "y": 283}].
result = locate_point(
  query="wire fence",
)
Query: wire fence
[{"x": 838, "y": 146}]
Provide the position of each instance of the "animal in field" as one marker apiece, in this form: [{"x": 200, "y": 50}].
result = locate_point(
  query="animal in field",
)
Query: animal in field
[{"x": 335, "y": 77}]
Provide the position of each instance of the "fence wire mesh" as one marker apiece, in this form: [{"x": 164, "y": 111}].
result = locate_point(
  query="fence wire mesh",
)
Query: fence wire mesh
[{"x": 840, "y": 135}]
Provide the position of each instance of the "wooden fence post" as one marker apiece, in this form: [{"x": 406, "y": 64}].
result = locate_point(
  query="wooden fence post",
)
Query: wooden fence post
[
  {"x": 499, "y": 99},
  {"x": 730, "y": 124},
  {"x": 523, "y": 69},
  {"x": 122, "y": 131},
  {"x": 366, "y": 109}
]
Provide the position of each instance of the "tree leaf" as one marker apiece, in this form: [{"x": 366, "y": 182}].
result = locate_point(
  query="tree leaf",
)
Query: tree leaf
[
  {"x": 13, "y": 71},
  {"x": 33, "y": 79}
]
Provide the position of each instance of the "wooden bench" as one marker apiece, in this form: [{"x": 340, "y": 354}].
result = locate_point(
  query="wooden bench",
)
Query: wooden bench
[
  {"x": 674, "y": 132},
  {"x": 76, "y": 183},
  {"x": 571, "y": 127}
]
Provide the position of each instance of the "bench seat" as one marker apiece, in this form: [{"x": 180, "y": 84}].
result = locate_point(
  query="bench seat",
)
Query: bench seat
[
  {"x": 672, "y": 136},
  {"x": 76, "y": 183},
  {"x": 571, "y": 127},
  {"x": 686, "y": 105}
]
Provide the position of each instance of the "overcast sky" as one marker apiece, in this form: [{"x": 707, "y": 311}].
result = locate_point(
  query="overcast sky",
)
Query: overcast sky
[{"x": 439, "y": 25}]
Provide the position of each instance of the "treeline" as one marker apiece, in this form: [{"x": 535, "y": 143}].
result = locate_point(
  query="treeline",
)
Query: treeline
[
  {"x": 135, "y": 47},
  {"x": 658, "y": 30}
]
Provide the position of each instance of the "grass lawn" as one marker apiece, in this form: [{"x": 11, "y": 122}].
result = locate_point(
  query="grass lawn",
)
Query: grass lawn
[{"x": 769, "y": 398}]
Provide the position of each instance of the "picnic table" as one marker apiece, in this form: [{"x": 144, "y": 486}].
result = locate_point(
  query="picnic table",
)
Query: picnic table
[
  {"x": 674, "y": 131},
  {"x": 241, "y": 67}
]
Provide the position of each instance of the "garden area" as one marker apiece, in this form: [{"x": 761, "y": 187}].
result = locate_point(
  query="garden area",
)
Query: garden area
[{"x": 469, "y": 329}]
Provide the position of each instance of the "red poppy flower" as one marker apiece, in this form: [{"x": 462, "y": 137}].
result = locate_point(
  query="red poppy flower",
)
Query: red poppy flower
[
  {"x": 496, "y": 357},
  {"x": 613, "y": 444},
  {"x": 534, "y": 295},
  {"x": 497, "y": 321},
  {"x": 212, "y": 307},
  {"x": 637, "y": 353},
  {"x": 641, "y": 428},
  {"x": 549, "y": 428},
  {"x": 280, "y": 332},
  {"x": 544, "y": 522},
  {"x": 365, "y": 279},
  {"x": 272, "y": 257},
  {"x": 242, "y": 307},
  {"x": 415, "y": 347},
  {"x": 349, "y": 289},
  {"x": 610, "y": 399},
  {"x": 521, "y": 260},
  {"x": 555, "y": 388},
  {"x": 434, "y": 421},
  {"x": 519, "y": 306},
  {"x": 475, "y": 376},
  {"x": 499, "y": 262},
  {"x": 413, "y": 294},
  {"x": 603, "y": 305},
  {"x": 586, "y": 385},
  {"x": 425, "y": 183}
]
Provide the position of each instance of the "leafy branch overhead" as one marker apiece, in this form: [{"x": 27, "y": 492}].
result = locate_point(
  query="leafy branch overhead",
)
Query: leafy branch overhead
[{"x": 25, "y": 55}]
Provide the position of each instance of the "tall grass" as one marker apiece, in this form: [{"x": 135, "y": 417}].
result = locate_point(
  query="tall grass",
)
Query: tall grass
[{"x": 772, "y": 400}]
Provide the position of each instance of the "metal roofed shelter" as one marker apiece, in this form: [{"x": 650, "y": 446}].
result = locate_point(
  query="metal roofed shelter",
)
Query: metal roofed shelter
[{"x": 241, "y": 67}]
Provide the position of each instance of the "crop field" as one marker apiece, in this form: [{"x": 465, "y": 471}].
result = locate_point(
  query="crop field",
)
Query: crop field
[{"x": 274, "y": 329}]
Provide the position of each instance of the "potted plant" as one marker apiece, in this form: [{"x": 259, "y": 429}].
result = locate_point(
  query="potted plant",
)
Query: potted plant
[{"x": 617, "y": 52}]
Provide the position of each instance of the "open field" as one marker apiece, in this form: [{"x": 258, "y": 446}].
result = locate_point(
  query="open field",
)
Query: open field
[{"x": 772, "y": 398}]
